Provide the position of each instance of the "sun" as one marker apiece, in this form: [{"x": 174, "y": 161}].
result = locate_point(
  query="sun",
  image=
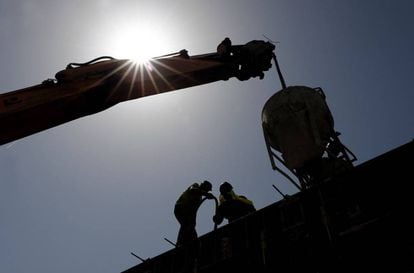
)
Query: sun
[{"x": 137, "y": 44}]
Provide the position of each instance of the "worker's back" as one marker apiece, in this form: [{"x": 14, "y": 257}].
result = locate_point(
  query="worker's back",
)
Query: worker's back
[
  {"x": 235, "y": 208},
  {"x": 191, "y": 197}
]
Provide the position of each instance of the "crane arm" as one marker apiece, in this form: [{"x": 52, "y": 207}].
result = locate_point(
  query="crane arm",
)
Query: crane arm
[{"x": 85, "y": 89}]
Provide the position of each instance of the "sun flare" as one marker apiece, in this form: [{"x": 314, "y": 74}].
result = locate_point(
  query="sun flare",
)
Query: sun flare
[{"x": 138, "y": 45}]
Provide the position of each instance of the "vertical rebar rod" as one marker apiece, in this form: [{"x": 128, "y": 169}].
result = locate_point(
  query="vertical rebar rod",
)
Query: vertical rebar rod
[{"x": 279, "y": 72}]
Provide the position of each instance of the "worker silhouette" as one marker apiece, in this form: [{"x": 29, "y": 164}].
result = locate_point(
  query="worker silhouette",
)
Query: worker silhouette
[
  {"x": 185, "y": 211},
  {"x": 231, "y": 206},
  {"x": 224, "y": 48}
]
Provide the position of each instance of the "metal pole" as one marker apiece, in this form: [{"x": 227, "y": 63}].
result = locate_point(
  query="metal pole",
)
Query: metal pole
[
  {"x": 281, "y": 193},
  {"x": 279, "y": 72},
  {"x": 170, "y": 242},
  {"x": 136, "y": 256}
]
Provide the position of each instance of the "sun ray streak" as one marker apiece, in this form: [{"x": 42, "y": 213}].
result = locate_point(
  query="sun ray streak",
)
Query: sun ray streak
[
  {"x": 134, "y": 76},
  {"x": 175, "y": 71},
  {"x": 154, "y": 83},
  {"x": 115, "y": 71},
  {"x": 154, "y": 72},
  {"x": 115, "y": 89},
  {"x": 141, "y": 72},
  {"x": 163, "y": 78}
]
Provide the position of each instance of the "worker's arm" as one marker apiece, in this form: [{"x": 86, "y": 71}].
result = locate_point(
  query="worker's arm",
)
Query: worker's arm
[
  {"x": 218, "y": 217},
  {"x": 208, "y": 195},
  {"x": 243, "y": 199}
]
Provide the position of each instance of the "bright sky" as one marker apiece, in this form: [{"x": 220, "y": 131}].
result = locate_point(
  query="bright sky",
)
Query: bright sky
[{"x": 80, "y": 197}]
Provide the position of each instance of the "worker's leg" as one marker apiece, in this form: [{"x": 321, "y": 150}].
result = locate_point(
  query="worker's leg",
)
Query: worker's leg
[
  {"x": 187, "y": 232},
  {"x": 186, "y": 235}
]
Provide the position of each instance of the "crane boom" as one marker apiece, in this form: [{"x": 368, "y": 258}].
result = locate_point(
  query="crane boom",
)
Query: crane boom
[{"x": 85, "y": 89}]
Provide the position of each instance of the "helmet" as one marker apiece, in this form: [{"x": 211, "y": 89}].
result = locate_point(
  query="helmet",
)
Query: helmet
[
  {"x": 225, "y": 187},
  {"x": 206, "y": 186}
]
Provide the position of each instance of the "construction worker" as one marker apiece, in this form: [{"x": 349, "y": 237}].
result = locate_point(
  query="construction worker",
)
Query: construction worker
[
  {"x": 231, "y": 206},
  {"x": 224, "y": 48},
  {"x": 185, "y": 210}
]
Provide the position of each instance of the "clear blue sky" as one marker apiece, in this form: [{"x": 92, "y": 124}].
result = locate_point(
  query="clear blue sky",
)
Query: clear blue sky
[{"x": 80, "y": 197}]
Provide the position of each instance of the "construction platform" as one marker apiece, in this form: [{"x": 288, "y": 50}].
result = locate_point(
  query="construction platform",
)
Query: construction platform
[{"x": 358, "y": 221}]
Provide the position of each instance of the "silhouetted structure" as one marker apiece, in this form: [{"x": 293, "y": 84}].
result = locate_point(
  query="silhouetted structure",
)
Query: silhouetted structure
[{"x": 358, "y": 221}]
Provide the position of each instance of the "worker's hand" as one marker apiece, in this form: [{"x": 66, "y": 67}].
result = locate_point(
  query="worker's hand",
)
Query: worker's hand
[
  {"x": 217, "y": 219},
  {"x": 209, "y": 196}
]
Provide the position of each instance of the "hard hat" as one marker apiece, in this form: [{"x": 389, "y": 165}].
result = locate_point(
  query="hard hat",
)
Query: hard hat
[
  {"x": 206, "y": 185},
  {"x": 225, "y": 187}
]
